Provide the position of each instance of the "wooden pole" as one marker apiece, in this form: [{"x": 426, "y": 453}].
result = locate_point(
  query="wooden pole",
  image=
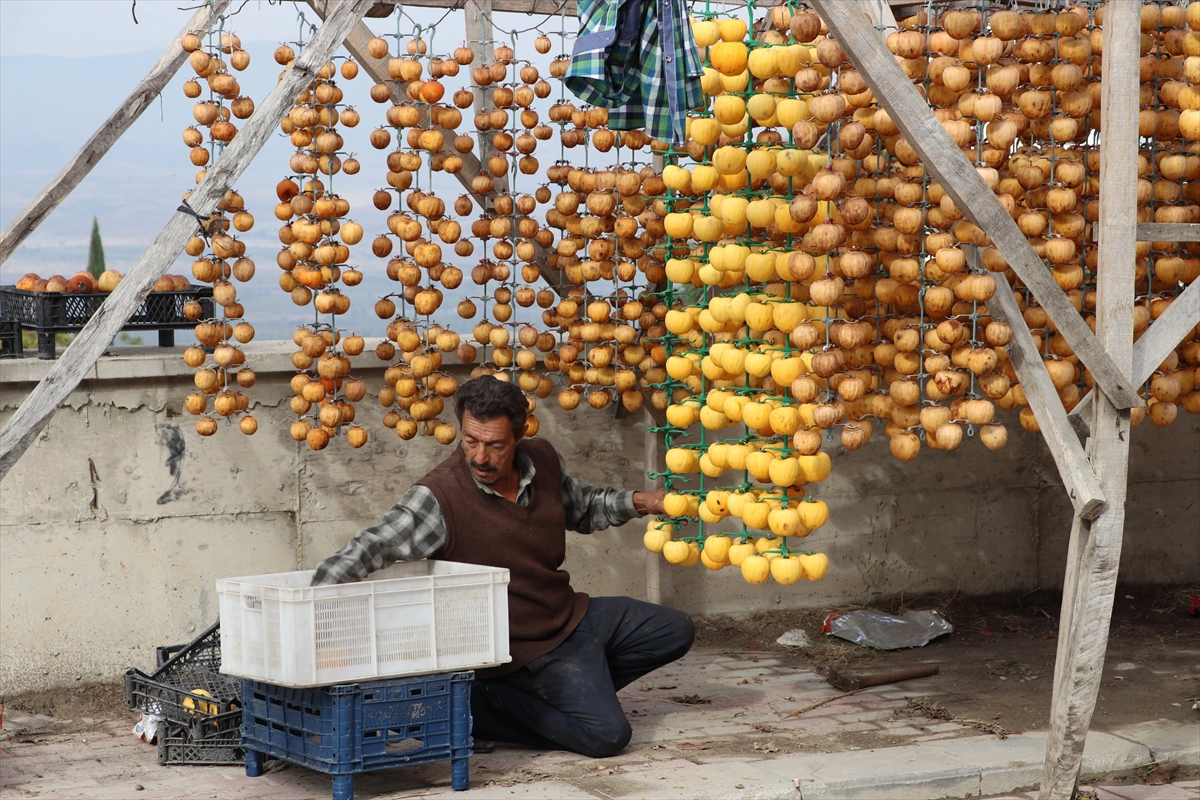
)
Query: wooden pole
[
  {"x": 33, "y": 415},
  {"x": 958, "y": 176},
  {"x": 1094, "y": 551},
  {"x": 109, "y": 132}
]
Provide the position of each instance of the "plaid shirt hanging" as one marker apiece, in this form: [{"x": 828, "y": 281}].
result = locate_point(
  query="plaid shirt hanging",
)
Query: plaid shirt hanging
[{"x": 638, "y": 58}]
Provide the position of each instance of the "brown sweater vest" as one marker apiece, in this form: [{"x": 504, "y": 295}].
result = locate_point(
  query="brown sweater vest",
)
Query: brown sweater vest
[{"x": 529, "y": 541}]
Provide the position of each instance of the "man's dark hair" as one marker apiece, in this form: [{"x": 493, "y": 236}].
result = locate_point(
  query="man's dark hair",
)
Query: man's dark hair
[{"x": 488, "y": 399}]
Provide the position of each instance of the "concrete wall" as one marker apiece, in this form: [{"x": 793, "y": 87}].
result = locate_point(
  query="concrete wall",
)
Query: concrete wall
[{"x": 116, "y": 524}]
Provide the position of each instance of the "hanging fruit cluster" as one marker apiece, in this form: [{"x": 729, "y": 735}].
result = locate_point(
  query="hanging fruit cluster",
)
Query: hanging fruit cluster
[
  {"x": 219, "y": 255},
  {"x": 841, "y": 285},
  {"x": 316, "y": 236}
]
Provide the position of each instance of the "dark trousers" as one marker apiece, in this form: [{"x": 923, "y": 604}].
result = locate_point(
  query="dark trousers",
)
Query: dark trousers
[{"x": 567, "y": 699}]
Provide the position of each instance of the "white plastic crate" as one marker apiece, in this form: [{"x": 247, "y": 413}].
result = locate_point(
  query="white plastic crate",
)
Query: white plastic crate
[{"x": 409, "y": 619}]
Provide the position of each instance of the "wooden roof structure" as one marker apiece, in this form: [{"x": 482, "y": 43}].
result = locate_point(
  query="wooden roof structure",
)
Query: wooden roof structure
[{"x": 1090, "y": 445}]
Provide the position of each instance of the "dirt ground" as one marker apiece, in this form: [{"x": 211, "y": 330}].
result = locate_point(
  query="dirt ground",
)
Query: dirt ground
[
  {"x": 996, "y": 667},
  {"x": 998, "y": 664}
]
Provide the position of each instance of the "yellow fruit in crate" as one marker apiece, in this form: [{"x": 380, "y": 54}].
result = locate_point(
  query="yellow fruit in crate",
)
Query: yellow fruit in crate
[
  {"x": 756, "y": 515},
  {"x": 813, "y": 567},
  {"x": 681, "y": 460},
  {"x": 755, "y": 569},
  {"x": 657, "y": 535},
  {"x": 739, "y": 552},
  {"x": 717, "y": 547},
  {"x": 763, "y": 63},
  {"x": 676, "y": 178},
  {"x": 706, "y": 32},
  {"x": 676, "y": 552},
  {"x": 200, "y": 707},
  {"x": 675, "y": 505},
  {"x": 813, "y": 515},
  {"x": 786, "y": 570},
  {"x": 784, "y": 471},
  {"x": 728, "y": 58},
  {"x": 784, "y": 522},
  {"x": 815, "y": 468}
]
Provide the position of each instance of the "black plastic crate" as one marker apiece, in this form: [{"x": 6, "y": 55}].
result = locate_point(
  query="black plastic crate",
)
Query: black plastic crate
[
  {"x": 10, "y": 339},
  {"x": 48, "y": 313},
  {"x": 198, "y": 728}
]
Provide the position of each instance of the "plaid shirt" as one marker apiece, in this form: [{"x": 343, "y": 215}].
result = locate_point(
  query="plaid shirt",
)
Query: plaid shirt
[
  {"x": 414, "y": 528},
  {"x": 638, "y": 58}
]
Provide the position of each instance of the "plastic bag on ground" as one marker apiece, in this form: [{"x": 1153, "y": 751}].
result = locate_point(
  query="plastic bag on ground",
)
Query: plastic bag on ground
[
  {"x": 147, "y": 728},
  {"x": 885, "y": 631}
]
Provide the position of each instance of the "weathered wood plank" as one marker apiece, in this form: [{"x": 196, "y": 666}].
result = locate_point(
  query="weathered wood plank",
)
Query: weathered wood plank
[
  {"x": 913, "y": 116},
  {"x": 33, "y": 415},
  {"x": 108, "y": 133},
  {"x": 1073, "y": 465},
  {"x": 1168, "y": 232},
  {"x": 1163, "y": 336},
  {"x": 1094, "y": 551}
]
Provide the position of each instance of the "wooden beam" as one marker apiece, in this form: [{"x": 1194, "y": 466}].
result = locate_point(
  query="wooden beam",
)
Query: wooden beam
[
  {"x": 1168, "y": 232},
  {"x": 109, "y": 132},
  {"x": 941, "y": 157},
  {"x": 1094, "y": 550},
  {"x": 33, "y": 414},
  {"x": 376, "y": 68},
  {"x": 385, "y": 8},
  {"x": 1073, "y": 465},
  {"x": 1156, "y": 344}
]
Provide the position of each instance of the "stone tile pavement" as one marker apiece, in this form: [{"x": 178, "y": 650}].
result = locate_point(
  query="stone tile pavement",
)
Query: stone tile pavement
[{"x": 713, "y": 725}]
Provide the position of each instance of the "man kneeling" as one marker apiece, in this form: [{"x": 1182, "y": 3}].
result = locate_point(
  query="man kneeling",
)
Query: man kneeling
[{"x": 504, "y": 501}]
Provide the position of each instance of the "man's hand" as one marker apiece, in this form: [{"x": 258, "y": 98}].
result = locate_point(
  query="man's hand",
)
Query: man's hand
[{"x": 648, "y": 503}]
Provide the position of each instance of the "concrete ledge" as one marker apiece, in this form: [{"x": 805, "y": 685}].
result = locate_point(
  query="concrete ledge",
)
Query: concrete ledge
[
  {"x": 911, "y": 772},
  {"x": 1167, "y": 740}
]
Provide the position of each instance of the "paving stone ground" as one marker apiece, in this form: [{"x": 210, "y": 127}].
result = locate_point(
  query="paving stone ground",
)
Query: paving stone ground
[{"x": 707, "y": 717}]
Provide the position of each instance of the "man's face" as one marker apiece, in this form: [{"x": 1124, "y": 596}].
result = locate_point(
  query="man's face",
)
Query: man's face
[{"x": 489, "y": 446}]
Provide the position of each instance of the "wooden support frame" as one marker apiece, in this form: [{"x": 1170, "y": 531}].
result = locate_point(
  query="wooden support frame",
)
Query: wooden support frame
[
  {"x": 959, "y": 178},
  {"x": 33, "y": 414},
  {"x": 1094, "y": 550},
  {"x": 94, "y": 149},
  {"x": 1156, "y": 344},
  {"x": 1168, "y": 232}
]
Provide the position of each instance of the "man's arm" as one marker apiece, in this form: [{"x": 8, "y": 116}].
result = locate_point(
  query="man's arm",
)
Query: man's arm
[
  {"x": 412, "y": 529},
  {"x": 593, "y": 508}
]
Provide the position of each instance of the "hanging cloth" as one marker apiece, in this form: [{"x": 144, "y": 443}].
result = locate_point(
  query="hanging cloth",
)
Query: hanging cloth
[{"x": 638, "y": 59}]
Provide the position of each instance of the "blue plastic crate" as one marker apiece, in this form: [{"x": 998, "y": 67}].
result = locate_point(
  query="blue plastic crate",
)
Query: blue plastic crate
[{"x": 344, "y": 730}]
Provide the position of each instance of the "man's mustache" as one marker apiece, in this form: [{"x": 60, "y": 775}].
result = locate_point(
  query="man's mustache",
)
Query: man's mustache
[{"x": 482, "y": 467}]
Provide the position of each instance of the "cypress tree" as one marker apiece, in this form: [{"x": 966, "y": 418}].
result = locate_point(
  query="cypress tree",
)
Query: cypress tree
[{"x": 96, "y": 251}]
